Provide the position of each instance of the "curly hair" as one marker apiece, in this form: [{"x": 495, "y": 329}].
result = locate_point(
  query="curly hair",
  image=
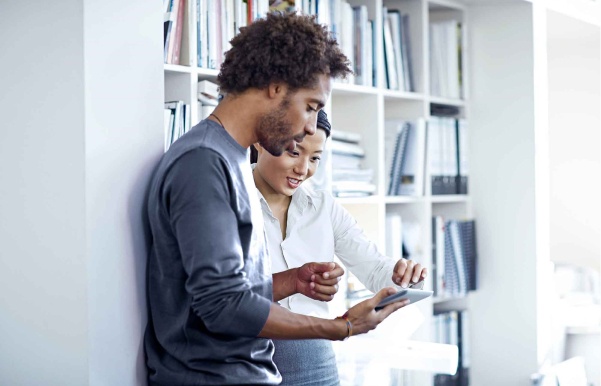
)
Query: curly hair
[{"x": 283, "y": 47}]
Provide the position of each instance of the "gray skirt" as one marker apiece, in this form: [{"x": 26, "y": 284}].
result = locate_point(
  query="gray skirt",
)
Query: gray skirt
[{"x": 306, "y": 362}]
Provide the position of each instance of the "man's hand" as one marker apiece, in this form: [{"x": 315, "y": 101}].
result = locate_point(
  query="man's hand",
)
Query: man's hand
[
  {"x": 408, "y": 272},
  {"x": 318, "y": 281},
  {"x": 365, "y": 318}
]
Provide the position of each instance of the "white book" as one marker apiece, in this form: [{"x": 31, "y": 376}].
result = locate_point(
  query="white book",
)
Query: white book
[
  {"x": 412, "y": 237},
  {"x": 394, "y": 18},
  {"x": 208, "y": 88},
  {"x": 204, "y": 44},
  {"x": 412, "y": 178},
  {"x": 347, "y": 148},
  {"x": 391, "y": 66},
  {"x": 452, "y": 56},
  {"x": 204, "y": 111},
  {"x": 178, "y": 119},
  {"x": 346, "y": 136},
  {"x": 394, "y": 236},
  {"x": 347, "y": 37},
  {"x": 168, "y": 127},
  {"x": 212, "y": 34},
  {"x": 368, "y": 78},
  {"x": 365, "y": 52},
  {"x": 188, "y": 117}
]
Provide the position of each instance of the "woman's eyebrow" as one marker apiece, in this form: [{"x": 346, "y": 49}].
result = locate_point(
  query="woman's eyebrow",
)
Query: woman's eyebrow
[{"x": 302, "y": 148}]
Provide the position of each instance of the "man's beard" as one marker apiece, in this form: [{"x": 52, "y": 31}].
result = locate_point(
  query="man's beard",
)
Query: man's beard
[{"x": 275, "y": 131}]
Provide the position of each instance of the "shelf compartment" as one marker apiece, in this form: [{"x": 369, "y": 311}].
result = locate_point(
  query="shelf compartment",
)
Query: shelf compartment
[
  {"x": 351, "y": 89},
  {"x": 445, "y": 199},
  {"x": 177, "y": 68}
]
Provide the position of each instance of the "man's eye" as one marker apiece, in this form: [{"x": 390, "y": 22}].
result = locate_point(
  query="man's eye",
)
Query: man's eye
[{"x": 310, "y": 108}]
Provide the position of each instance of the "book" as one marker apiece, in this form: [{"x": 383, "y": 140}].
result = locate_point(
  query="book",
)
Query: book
[
  {"x": 395, "y": 168},
  {"x": 346, "y": 136},
  {"x": 340, "y": 147},
  {"x": 394, "y": 236},
  {"x": 462, "y": 155},
  {"x": 407, "y": 57},
  {"x": 395, "y": 22},
  {"x": 467, "y": 231},
  {"x": 169, "y": 19},
  {"x": 176, "y": 39},
  {"x": 389, "y": 56},
  {"x": 412, "y": 173}
]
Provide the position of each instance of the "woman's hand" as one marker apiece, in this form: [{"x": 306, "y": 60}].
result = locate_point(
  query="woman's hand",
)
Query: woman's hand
[
  {"x": 318, "y": 281},
  {"x": 408, "y": 272},
  {"x": 364, "y": 317}
]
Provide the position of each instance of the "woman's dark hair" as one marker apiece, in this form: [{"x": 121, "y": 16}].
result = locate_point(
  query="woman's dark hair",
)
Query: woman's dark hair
[
  {"x": 322, "y": 123},
  {"x": 282, "y": 47}
]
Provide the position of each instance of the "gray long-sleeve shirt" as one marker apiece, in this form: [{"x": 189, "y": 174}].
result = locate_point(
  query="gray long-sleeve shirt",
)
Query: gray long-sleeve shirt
[{"x": 209, "y": 278}]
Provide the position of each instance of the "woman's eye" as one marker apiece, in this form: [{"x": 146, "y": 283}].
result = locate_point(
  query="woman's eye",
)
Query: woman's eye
[
  {"x": 293, "y": 153},
  {"x": 315, "y": 159}
]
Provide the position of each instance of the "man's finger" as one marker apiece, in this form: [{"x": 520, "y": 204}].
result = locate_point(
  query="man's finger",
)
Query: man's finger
[
  {"x": 322, "y": 267},
  {"x": 325, "y": 289},
  {"x": 322, "y": 281}
]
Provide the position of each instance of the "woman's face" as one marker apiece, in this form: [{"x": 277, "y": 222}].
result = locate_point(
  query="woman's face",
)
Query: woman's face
[{"x": 284, "y": 174}]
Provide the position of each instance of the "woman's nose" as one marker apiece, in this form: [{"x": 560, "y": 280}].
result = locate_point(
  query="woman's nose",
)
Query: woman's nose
[{"x": 302, "y": 166}]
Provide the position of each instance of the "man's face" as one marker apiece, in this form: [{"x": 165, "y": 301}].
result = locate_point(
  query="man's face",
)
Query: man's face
[{"x": 295, "y": 117}]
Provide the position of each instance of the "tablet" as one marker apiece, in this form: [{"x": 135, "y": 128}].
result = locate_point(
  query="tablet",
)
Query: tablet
[{"x": 414, "y": 295}]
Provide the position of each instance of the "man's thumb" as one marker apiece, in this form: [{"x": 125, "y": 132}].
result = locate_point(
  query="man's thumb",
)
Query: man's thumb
[{"x": 383, "y": 293}]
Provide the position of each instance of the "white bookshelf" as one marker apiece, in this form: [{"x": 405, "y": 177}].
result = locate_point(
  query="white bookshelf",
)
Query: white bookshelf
[
  {"x": 505, "y": 92},
  {"x": 361, "y": 109}
]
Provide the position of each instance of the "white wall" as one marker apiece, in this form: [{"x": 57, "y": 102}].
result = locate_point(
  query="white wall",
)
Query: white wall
[
  {"x": 124, "y": 138},
  {"x": 43, "y": 307},
  {"x": 574, "y": 134},
  {"x": 81, "y": 107},
  {"x": 503, "y": 311}
]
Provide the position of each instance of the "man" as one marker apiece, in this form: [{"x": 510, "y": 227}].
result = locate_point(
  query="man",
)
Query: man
[{"x": 209, "y": 279}]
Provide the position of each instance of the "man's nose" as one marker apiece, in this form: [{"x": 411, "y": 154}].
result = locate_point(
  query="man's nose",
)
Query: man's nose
[{"x": 311, "y": 126}]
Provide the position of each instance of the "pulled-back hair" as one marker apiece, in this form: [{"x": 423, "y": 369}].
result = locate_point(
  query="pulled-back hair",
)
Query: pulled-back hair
[{"x": 283, "y": 47}]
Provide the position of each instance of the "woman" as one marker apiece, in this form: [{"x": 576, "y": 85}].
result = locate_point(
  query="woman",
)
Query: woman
[{"x": 304, "y": 226}]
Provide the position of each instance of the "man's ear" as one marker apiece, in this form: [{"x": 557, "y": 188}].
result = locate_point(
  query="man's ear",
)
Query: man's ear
[{"x": 276, "y": 90}]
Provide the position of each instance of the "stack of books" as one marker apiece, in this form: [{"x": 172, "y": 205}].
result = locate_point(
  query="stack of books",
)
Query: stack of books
[
  {"x": 176, "y": 121},
  {"x": 397, "y": 50},
  {"x": 208, "y": 98},
  {"x": 405, "y": 155},
  {"x": 446, "y": 46},
  {"x": 350, "y": 24},
  {"x": 173, "y": 32},
  {"x": 453, "y": 328},
  {"x": 454, "y": 257},
  {"x": 448, "y": 155},
  {"x": 348, "y": 177}
]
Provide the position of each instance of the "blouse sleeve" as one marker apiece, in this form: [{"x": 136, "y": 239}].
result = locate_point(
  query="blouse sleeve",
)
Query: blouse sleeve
[{"x": 357, "y": 252}]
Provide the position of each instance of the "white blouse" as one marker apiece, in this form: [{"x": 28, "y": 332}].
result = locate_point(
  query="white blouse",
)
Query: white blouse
[{"x": 319, "y": 228}]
